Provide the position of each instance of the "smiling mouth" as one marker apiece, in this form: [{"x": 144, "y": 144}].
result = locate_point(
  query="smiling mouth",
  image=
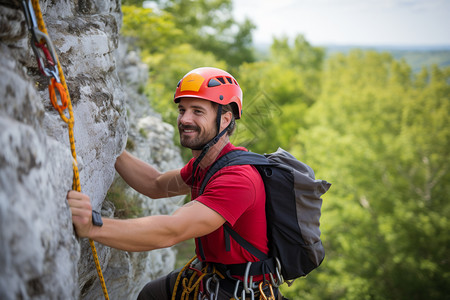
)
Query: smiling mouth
[{"x": 188, "y": 129}]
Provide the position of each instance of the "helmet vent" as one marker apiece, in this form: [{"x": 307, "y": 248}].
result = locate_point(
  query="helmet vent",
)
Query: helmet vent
[
  {"x": 212, "y": 83},
  {"x": 215, "y": 81},
  {"x": 221, "y": 79}
]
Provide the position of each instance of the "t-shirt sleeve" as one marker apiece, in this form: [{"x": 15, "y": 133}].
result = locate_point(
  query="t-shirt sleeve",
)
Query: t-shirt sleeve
[{"x": 230, "y": 192}]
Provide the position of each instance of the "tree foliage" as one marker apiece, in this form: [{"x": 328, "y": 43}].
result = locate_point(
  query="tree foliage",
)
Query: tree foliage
[
  {"x": 207, "y": 25},
  {"x": 381, "y": 135},
  {"x": 149, "y": 31},
  {"x": 277, "y": 93}
]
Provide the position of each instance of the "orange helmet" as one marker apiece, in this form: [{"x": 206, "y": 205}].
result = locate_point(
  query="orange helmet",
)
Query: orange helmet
[{"x": 211, "y": 84}]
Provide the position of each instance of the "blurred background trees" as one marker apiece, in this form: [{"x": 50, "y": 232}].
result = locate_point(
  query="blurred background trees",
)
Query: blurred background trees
[{"x": 375, "y": 127}]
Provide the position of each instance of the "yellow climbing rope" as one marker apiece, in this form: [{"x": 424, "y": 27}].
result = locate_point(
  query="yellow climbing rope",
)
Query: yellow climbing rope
[{"x": 57, "y": 87}]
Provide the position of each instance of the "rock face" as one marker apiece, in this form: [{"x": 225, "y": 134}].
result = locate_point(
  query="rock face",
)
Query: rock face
[{"x": 40, "y": 257}]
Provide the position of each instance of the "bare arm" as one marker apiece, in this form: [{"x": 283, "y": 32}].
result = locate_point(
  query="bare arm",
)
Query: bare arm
[
  {"x": 147, "y": 233},
  {"x": 147, "y": 180}
]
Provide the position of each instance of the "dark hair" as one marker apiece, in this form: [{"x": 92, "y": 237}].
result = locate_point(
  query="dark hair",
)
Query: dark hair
[{"x": 232, "y": 125}]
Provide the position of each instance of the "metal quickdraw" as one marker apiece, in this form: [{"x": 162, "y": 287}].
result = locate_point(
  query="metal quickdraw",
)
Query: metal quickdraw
[
  {"x": 50, "y": 67},
  {"x": 46, "y": 58},
  {"x": 40, "y": 43},
  {"x": 213, "y": 294},
  {"x": 279, "y": 278},
  {"x": 263, "y": 290},
  {"x": 248, "y": 285}
]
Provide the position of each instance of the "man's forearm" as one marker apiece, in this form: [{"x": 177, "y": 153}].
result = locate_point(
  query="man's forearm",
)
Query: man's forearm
[
  {"x": 138, "y": 174},
  {"x": 135, "y": 235},
  {"x": 143, "y": 234},
  {"x": 147, "y": 180}
]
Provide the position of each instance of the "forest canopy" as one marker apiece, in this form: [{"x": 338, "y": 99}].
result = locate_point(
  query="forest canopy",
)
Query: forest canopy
[{"x": 363, "y": 120}]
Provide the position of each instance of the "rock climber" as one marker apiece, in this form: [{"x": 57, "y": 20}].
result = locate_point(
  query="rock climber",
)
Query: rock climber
[{"x": 209, "y": 101}]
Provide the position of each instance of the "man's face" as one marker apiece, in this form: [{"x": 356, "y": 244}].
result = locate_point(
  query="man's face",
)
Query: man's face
[{"x": 196, "y": 122}]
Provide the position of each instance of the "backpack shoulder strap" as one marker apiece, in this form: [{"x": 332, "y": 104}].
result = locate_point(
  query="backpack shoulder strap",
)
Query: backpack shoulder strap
[
  {"x": 233, "y": 158},
  {"x": 243, "y": 242}
]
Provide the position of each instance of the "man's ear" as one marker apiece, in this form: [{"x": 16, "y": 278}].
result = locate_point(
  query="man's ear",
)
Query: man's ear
[{"x": 226, "y": 120}]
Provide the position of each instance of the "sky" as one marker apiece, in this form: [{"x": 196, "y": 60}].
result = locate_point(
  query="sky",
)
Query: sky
[{"x": 350, "y": 22}]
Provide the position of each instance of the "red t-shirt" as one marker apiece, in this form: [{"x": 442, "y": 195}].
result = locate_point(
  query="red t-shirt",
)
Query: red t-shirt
[{"x": 237, "y": 194}]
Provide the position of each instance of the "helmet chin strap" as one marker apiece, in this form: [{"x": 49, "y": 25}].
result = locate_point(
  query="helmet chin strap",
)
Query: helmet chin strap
[{"x": 211, "y": 143}]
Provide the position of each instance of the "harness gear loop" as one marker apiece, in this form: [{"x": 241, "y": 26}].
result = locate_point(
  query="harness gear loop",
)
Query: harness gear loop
[{"x": 43, "y": 48}]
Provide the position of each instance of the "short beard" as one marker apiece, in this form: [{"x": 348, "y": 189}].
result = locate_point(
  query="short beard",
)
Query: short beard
[{"x": 196, "y": 143}]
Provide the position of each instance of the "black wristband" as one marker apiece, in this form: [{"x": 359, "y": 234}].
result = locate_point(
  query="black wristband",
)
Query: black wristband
[{"x": 97, "y": 219}]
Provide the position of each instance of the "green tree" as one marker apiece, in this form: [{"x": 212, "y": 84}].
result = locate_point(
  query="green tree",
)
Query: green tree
[
  {"x": 132, "y": 2},
  {"x": 277, "y": 93},
  {"x": 209, "y": 26},
  {"x": 381, "y": 136},
  {"x": 149, "y": 31},
  {"x": 302, "y": 57}
]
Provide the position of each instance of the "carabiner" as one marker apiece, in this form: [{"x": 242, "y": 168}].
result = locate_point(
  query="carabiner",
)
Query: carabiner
[
  {"x": 41, "y": 44},
  {"x": 279, "y": 280},
  {"x": 213, "y": 295},
  {"x": 45, "y": 55},
  {"x": 30, "y": 17},
  {"x": 251, "y": 292},
  {"x": 263, "y": 295},
  {"x": 58, "y": 87},
  {"x": 247, "y": 271},
  {"x": 236, "y": 288}
]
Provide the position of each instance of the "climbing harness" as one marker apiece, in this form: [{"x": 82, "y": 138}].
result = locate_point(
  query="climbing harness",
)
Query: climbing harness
[
  {"x": 251, "y": 288},
  {"x": 191, "y": 284},
  {"x": 201, "y": 281},
  {"x": 50, "y": 67}
]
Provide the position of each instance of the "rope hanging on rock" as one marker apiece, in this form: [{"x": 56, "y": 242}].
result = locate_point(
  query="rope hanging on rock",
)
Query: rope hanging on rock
[{"x": 50, "y": 67}]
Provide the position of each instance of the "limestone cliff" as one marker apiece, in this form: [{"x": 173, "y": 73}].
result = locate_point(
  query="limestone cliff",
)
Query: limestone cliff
[{"x": 40, "y": 257}]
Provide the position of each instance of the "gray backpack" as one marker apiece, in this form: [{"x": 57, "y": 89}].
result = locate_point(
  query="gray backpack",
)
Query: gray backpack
[{"x": 293, "y": 209}]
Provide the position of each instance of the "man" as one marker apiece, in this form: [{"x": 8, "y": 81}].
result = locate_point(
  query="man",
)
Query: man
[{"x": 209, "y": 100}]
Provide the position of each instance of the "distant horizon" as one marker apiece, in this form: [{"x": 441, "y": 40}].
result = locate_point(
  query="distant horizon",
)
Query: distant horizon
[
  {"x": 418, "y": 47},
  {"x": 414, "y": 24}
]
